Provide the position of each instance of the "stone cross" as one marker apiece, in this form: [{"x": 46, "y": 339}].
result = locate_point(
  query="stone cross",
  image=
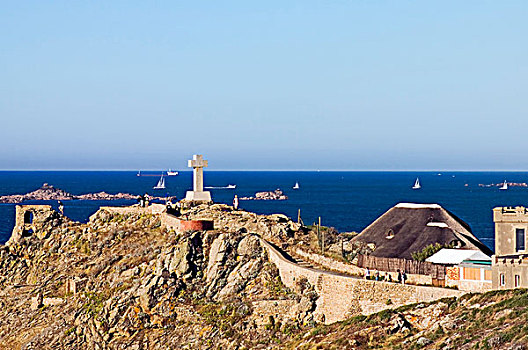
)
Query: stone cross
[
  {"x": 197, "y": 163},
  {"x": 198, "y": 194}
]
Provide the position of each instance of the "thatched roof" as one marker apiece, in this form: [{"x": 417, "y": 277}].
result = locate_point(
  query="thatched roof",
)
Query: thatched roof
[{"x": 407, "y": 228}]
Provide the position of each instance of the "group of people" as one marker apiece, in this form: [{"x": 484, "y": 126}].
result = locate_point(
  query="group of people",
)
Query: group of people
[
  {"x": 401, "y": 278},
  {"x": 174, "y": 209},
  {"x": 144, "y": 201}
]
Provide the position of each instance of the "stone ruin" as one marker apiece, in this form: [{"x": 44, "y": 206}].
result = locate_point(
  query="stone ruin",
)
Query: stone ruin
[{"x": 33, "y": 220}]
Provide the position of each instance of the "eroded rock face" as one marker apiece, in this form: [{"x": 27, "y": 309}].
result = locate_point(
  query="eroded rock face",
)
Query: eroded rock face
[{"x": 234, "y": 260}]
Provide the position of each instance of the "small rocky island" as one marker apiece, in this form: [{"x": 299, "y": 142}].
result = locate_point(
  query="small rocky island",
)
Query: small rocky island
[
  {"x": 276, "y": 195},
  {"x": 510, "y": 184},
  {"x": 48, "y": 192}
]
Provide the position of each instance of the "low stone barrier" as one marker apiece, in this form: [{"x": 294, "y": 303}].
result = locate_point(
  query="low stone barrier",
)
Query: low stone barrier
[
  {"x": 343, "y": 296},
  {"x": 329, "y": 263}
]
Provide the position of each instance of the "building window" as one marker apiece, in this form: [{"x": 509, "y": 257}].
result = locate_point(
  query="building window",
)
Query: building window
[
  {"x": 517, "y": 280},
  {"x": 471, "y": 273},
  {"x": 487, "y": 275},
  {"x": 502, "y": 280},
  {"x": 519, "y": 239}
]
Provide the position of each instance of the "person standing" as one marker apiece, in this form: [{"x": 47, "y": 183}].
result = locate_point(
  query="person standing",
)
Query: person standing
[
  {"x": 61, "y": 208},
  {"x": 235, "y": 202},
  {"x": 367, "y": 274},
  {"x": 399, "y": 277},
  {"x": 404, "y": 277}
]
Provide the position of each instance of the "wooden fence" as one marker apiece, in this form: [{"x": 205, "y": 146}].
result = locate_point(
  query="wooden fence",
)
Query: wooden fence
[{"x": 409, "y": 266}]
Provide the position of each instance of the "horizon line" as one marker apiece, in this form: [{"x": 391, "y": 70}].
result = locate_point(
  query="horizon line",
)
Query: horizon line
[{"x": 277, "y": 170}]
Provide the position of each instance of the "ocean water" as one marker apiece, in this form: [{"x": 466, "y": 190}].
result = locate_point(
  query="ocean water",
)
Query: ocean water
[{"x": 348, "y": 201}]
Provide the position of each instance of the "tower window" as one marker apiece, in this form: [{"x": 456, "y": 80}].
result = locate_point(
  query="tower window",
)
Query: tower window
[{"x": 520, "y": 239}]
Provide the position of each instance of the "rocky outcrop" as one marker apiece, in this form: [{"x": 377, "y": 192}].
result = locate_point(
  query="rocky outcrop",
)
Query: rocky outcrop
[
  {"x": 123, "y": 281},
  {"x": 48, "y": 192},
  {"x": 277, "y": 228},
  {"x": 276, "y": 195}
]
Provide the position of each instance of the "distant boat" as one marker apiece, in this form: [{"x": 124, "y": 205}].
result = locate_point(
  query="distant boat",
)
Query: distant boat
[
  {"x": 296, "y": 186},
  {"x": 504, "y": 186},
  {"x": 228, "y": 187},
  {"x": 161, "y": 184},
  {"x": 417, "y": 185},
  {"x": 139, "y": 173},
  {"x": 171, "y": 173}
]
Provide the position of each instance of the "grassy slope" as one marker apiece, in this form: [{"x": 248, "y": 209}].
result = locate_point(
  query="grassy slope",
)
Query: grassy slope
[{"x": 496, "y": 319}]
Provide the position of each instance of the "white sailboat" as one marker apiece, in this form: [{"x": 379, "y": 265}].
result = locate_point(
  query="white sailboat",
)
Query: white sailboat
[
  {"x": 161, "y": 184},
  {"x": 417, "y": 185},
  {"x": 171, "y": 173},
  {"x": 296, "y": 186},
  {"x": 504, "y": 186}
]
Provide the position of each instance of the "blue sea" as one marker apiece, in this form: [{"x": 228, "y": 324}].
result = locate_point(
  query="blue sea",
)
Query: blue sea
[{"x": 348, "y": 201}]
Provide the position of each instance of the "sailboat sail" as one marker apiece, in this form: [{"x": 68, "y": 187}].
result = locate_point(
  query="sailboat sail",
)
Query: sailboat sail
[
  {"x": 296, "y": 186},
  {"x": 504, "y": 186},
  {"x": 161, "y": 184},
  {"x": 417, "y": 185}
]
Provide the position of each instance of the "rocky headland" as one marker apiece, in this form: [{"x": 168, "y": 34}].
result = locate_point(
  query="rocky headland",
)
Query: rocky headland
[
  {"x": 48, "y": 192},
  {"x": 125, "y": 281}
]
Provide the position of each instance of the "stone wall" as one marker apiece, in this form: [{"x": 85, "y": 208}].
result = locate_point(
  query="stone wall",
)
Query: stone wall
[
  {"x": 329, "y": 263},
  {"x": 170, "y": 222},
  {"x": 350, "y": 269},
  {"x": 135, "y": 209},
  {"x": 342, "y": 296}
]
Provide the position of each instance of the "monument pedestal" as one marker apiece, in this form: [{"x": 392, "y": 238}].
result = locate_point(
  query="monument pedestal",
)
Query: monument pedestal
[{"x": 198, "y": 196}]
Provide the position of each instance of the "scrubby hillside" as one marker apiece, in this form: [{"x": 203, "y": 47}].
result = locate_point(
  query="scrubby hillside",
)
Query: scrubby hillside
[
  {"x": 125, "y": 282},
  {"x": 494, "y": 320}
]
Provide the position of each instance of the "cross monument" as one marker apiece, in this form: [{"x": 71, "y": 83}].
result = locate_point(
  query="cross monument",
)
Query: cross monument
[{"x": 198, "y": 194}]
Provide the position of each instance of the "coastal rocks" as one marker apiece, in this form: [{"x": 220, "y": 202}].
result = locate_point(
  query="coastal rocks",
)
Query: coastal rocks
[
  {"x": 48, "y": 192},
  {"x": 276, "y": 195},
  {"x": 510, "y": 184}
]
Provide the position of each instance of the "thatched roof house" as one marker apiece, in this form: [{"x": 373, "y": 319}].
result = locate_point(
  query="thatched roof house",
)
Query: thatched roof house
[{"x": 408, "y": 228}]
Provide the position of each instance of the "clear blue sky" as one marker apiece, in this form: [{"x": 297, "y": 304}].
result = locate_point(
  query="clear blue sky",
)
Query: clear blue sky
[{"x": 272, "y": 85}]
